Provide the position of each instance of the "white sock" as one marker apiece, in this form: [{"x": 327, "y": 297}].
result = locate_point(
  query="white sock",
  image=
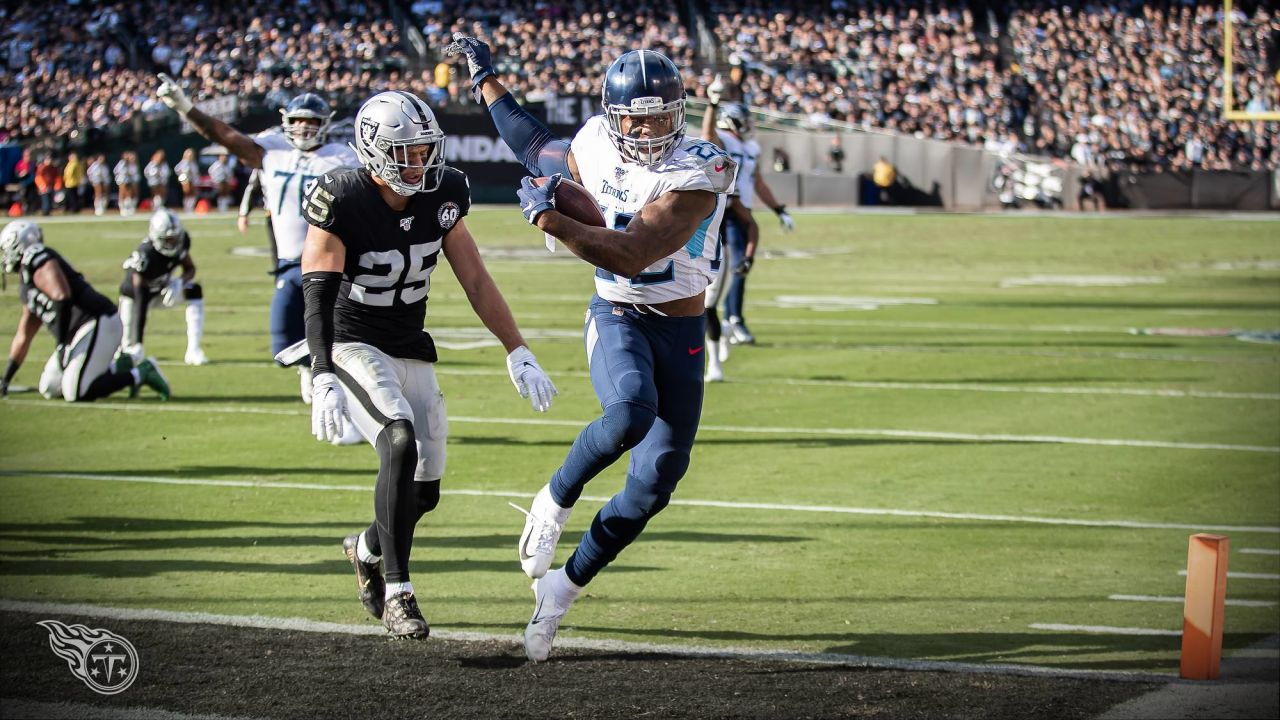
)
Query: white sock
[
  {"x": 364, "y": 553},
  {"x": 137, "y": 379},
  {"x": 397, "y": 588},
  {"x": 563, "y": 588},
  {"x": 195, "y": 324}
]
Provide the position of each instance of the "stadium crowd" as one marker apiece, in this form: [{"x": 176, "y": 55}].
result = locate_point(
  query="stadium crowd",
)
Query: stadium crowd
[{"x": 1127, "y": 84}]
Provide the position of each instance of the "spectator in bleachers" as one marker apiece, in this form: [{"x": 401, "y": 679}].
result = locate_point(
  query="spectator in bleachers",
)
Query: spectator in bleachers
[
  {"x": 48, "y": 182},
  {"x": 72, "y": 183}
]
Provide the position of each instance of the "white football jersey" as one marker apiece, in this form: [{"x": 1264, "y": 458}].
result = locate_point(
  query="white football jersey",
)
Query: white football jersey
[
  {"x": 621, "y": 188},
  {"x": 287, "y": 172},
  {"x": 745, "y": 153}
]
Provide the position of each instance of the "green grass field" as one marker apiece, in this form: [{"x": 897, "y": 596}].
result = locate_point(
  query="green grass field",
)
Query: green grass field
[{"x": 840, "y": 444}]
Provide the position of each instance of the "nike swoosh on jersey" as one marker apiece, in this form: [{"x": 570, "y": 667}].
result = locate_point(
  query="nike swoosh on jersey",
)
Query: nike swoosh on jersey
[{"x": 695, "y": 351}]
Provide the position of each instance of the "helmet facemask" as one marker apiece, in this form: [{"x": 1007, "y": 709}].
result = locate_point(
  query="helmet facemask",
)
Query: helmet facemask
[
  {"x": 304, "y": 135},
  {"x": 16, "y": 237},
  {"x": 165, "y": 233},
  {"x": 648, "y": 151},
  {"x": 399, "y": 156}
]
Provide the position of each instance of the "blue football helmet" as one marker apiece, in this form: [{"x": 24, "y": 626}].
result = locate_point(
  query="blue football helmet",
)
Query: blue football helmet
[
  {"x": 307, "y": 106},
  {"x": 736, "y": 119},
  {"x": 644, "y": 82}
]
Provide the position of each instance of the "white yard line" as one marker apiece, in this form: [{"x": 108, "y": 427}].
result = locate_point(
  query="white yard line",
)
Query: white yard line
[
  {"x": 1244, "y": 575},
  {"x": 305, "y": 625},
  {"x": 1104, "y": 629},
  {"x": 1259, "y": 551},
  {"x": 770, "y": 507},
  {"x": 1180, "y": 599},
  {"x": 732, "y": 429}
]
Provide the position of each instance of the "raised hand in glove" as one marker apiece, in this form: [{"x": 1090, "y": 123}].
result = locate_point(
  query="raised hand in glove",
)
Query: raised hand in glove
[
  {"x": 530, "y": 379},
  {"x": 715, "y": 90},
  {"x": 479, "y": 59},
  {"x": 328, "y": 407},
  {"x": 172, "y": 94}
]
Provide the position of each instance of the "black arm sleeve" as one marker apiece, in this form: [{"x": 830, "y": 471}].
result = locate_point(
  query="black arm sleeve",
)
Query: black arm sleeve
[
  {"x": 62, "y": 311},
  {"x": 319, "y": 293}
]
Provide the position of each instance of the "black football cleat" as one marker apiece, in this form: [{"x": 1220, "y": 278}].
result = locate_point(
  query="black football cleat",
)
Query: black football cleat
[
  {"x": 403, "y": 618},
  {"x": 368, "y": 578}
]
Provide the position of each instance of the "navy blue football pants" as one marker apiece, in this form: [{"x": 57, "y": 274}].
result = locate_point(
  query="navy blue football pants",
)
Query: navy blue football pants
[
  {"x": 287, "y": 306},
  {"x": 647, "y": 372},
  {"x": 736, "y": 237}
]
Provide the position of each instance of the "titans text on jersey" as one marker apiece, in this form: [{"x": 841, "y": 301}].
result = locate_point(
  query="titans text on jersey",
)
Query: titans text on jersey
[
  {"x": 390, "y": 256},
  {"x": 621, "y": 188}
]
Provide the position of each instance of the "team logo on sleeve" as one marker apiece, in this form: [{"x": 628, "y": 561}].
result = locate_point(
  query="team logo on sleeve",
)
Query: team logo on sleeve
[{"x": 448, "y": 215}]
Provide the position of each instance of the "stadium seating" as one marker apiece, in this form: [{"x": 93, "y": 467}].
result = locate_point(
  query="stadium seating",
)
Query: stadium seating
[{"x": 1009, "y": 76}]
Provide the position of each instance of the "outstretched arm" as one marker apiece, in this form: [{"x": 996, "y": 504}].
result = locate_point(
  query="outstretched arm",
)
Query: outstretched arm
[
  {"x": 28, "y": 326},
  {"x": 709, "y": 132},
  {"x": 483, "y": 294},
  {"x": 240, "y": 145},
  {"x": 538, "y": 149}
]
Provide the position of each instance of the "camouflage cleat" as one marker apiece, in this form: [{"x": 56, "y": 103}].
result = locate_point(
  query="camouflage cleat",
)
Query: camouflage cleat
[
  {"x": 403, "y": 618},
  {"x": 151, "y": 376},
  {"x": 368, "y": 577}
]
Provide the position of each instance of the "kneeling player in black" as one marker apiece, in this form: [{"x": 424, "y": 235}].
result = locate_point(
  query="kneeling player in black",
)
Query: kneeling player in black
[
  {"x": 83, "y": 323},
  {"x": 376, "y": 235},
  {"x": 148, "y": 281}
]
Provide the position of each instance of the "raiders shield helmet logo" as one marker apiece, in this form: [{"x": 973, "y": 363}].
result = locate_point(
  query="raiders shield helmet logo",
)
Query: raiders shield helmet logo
[
  {"x": 368, "y": 131},
  {"x": 448, "y": 215}
]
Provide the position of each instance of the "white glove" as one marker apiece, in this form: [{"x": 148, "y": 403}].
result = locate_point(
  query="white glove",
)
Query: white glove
[
  {"x": 171, "y": 94},
  {"x": 172, "y": 293},
  {"x": 530, "y": 379},
  {"x": 715, "y": 90},
  {"x": 328, "y": 407},
  {"x": 784, "y": 217}
]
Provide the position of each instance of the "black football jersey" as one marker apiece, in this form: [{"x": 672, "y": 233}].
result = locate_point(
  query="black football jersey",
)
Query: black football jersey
[
  {"x": 153, "y": 265},
  {"x": 86, "y": 303},
  {"x": 390, "y": 256}
]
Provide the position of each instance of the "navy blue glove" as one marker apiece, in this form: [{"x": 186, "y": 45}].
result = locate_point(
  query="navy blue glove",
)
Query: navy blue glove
[
  {"x": 479, "y": 60},
  {"x": 536, "y": 200}
]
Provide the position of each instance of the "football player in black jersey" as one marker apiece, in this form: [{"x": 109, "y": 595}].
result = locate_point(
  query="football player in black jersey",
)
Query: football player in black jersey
[
  {"x": 83, "y": 323},
  {"x": 148, "y": 280},
  {"x": 377, "y": 232}
]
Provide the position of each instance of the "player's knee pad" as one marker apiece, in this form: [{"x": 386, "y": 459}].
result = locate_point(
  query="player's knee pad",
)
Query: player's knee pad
[
  {"x": 640, "y": 499},
  {"x": 627, "y": 423},
  {"x": 428, "y": 494},
  {"x": 193, "y": 291},
  {"x": 397, "y": 448}
]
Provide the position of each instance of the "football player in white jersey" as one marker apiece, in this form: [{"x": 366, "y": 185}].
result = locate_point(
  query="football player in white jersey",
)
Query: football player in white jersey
[
  {"x": 291, "y": 157},
  {"x": 662, "y": 196},
  {"x": 732, "y": 130}
]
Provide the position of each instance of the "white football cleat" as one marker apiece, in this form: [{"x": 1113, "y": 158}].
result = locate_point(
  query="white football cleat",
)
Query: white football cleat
[
  {"x": 543, "y": 523},
  {"x": 196, "y": 356},
  {"x": 714, "y": 374},
  {"x": 552, "y": 597}
]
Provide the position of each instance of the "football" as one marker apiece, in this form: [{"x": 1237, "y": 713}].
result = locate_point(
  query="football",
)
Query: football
[{"x": 576, "y": 202}]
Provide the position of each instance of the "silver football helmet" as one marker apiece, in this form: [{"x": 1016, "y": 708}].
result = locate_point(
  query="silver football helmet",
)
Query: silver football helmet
[
  {"x": 16, "y": 237},
  {"x": 397, "y": 135},
  {"x": 735, "y": 118},
  {"x": 165, "y": 233}
]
